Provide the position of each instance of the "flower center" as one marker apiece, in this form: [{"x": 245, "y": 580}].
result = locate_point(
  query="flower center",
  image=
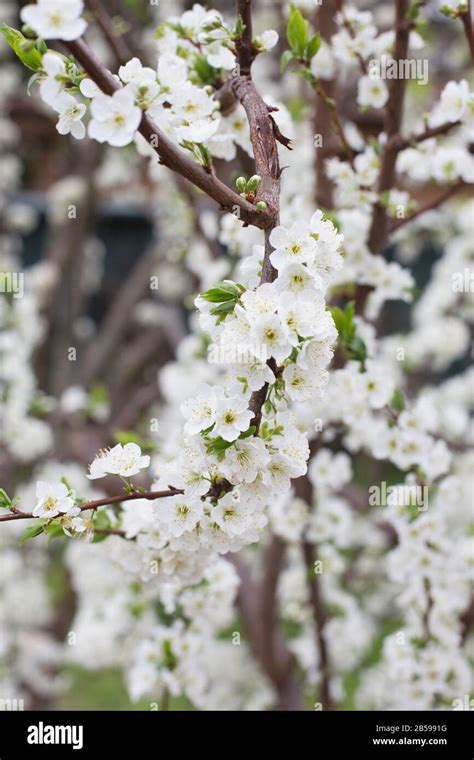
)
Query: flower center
[{"x": 56, "y": 19}]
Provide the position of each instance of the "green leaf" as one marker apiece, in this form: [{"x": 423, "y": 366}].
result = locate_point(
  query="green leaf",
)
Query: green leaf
[
  {"x": 26, "y": 50},
  {"x": 102, "y": 523},
  {"x": 307, "y": 74},
  {"x": 31, "y": 532},
  {"x": 351, "y": 343},
  {"x": 248, "y": 433},
  {"x": 397, "y": 402},
  {"x": 98, "y": 394},
  {"x": 224, "y": 308},
  {"x": 54, "y": 531},
  {"x": 170, "y": 659},
  {"x": 285, "y": 59},
  {"x": 297, "y": 32},
  {"x": 223, "y": 291},
  {"x": 218, "y": 446},
  {"x": 41, "y": 46},
  {"x": 313, "y": 46},
  {"x": 343, "y": 320},
  {"x": 413, "y": 11},
  {"x": 239, "y": 27},
  {"x": 5, "y": 501},
  {"x": 357, "y": 348}
]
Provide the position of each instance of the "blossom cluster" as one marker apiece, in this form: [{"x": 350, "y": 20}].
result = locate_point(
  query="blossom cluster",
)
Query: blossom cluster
[{"x": 275, "y": 381}]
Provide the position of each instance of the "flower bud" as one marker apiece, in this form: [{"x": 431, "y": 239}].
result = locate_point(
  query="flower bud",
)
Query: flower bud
[
  {"x": 253, "y": 183},
  {"x": 241, "y": 184}
]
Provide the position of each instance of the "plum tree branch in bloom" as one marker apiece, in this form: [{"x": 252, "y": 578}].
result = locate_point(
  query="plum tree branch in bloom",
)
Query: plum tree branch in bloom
[
  {"x": 170, "y": 155},
  {"x": 94, "y": 504}
]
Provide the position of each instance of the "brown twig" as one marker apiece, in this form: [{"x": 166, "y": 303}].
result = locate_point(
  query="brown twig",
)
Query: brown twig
[
  {"x": 393, "y": 120},
  {"x": 244, "y": 49},
  {"x": 466, "y": 20},
  {"x": 441, "y": 198},
  {"x": 304, "y": 490},
  {"x": 170, "y": 154},
  {"x": 116, "y": 43},
  {"x": 350, "y": 30},
  {"x": 319, "y": 619},
  {"x": 16, "y": 514},
  {"x": 335, "y": 122},
  {"x": 325, "y": 23},
  {"x": 399, "y": 143}
]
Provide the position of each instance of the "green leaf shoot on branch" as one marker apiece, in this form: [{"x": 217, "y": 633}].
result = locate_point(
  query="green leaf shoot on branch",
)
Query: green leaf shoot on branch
[{"x": 26, "y": 50}]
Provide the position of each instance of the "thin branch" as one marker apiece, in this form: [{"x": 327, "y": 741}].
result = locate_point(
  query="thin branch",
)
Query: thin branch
[
  {"x": 466, "y": 20},
  {"x": 16, "y": 514},
  {"x": 325, "y": 23},
  {"x": 116, "y": 43},
  {"x": 350, "y": 30},
  {"x": 170, "y": 154},
  {"x": 393, "y": 120},
  {"x": 400, "y": 143},
  {"x": 335, "y": 122},
  {"x": 319, "y": 619},
  {"x": 304, "y": 490},
  {"x": 245, "y": 52},
  {"x": 441, "y": 198}
]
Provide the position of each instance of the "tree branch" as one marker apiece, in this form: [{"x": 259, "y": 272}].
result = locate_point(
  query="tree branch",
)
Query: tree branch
[
  {"x": 319, "y": 619},
  {"x": 304, "y": 490},
  {"x": 441, "y": 198},
  {"x": 245, "y": 52},
  {"x": 170, "y": 154},
  {"x": 16, "y": 514},
  {"x": 257, "y": 606},
  {"x": 116, "y": 43},
  {"x": 466, "y": 20},
  {"x": 399, "y": 143},
  {"x": 264, "y": 144},
  {"x": 393, "y": 120}
]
